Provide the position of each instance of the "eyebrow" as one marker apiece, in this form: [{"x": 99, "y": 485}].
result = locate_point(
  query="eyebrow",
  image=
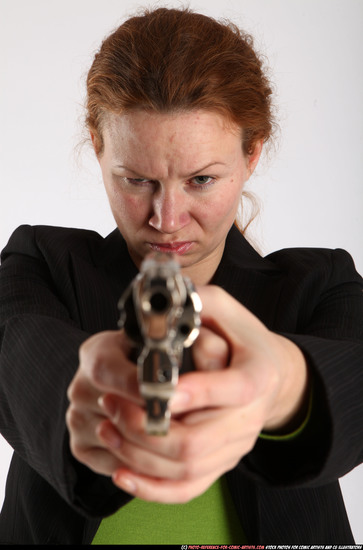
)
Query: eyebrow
[{"x": 201, "y": 170}]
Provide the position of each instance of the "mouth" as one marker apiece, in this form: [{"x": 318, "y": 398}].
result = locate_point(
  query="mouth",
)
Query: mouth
[{"x": 178, "y": 248}]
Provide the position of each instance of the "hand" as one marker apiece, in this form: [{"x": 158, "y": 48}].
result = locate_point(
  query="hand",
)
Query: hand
[
  {"x": 103, "y": 368},
  {"x": 104, "y": 375},
  {"x": 260, "y": 383}
]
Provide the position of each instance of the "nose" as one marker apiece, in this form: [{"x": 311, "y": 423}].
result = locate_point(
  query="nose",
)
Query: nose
[{"x": 170, "y": 211}]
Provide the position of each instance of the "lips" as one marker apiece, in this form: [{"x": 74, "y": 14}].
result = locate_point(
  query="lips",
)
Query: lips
[{"x": 179, "y": 248}]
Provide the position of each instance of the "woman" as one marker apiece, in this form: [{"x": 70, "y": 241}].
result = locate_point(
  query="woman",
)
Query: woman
[{"x": 178, "y": 111}]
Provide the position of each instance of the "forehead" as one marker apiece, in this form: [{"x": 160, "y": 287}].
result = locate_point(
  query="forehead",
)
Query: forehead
[
  {"x": 155, "y": 143},
  {"x": 172, "y": 143},
  {"x": 137, "y": 121}
]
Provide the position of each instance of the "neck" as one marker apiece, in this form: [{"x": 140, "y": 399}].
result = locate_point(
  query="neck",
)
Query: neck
[{"x": 203, "y": 272}]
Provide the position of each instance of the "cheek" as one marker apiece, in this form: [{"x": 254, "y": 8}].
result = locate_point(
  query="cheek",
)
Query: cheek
[
  {"x": 128, "y": 208},
  {"x": 222, "y": 209},
  {"x": 131, "y": 205}
]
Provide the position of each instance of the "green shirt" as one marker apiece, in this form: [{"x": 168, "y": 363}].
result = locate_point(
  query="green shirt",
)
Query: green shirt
[{"x": 210, "y": 518}]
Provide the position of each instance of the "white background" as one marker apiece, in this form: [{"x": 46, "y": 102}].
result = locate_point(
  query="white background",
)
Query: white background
[{"x": 310, "y": 187}]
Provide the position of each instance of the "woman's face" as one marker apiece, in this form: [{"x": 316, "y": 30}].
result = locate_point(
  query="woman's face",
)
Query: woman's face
[{"x": 174, "y": 182}]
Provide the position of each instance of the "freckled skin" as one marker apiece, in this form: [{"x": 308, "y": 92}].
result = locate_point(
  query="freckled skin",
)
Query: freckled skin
[{"x": 167, "y": 152}]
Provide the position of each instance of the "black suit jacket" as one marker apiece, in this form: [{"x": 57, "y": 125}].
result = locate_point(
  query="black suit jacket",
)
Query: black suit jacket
[{"x": 58, "y": 286}]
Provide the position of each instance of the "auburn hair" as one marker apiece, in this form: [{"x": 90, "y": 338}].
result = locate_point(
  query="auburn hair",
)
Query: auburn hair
[{"x": 170, "y": 60}]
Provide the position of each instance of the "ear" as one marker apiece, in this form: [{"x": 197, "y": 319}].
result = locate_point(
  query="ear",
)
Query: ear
[
  {"x": 95, "y": 142},
  {"x": 254, "y": 157}
]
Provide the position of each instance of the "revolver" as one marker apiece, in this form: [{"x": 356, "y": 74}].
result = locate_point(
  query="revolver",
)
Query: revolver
[{"x": 160, "y": 313}]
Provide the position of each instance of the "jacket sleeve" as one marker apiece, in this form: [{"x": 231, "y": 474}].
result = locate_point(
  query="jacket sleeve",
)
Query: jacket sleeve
[
  {"x": 330, "y": 334},
  {"x": 40, "y": 334}
]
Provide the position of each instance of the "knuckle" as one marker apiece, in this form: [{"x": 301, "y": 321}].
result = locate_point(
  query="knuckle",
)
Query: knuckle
[
  {"x": 71, "y": 390},
  {"x": 93, "y": 357},
  {"x": 77, "y": 390},
  {"x": 188, "y": 447},
  {"x": 78, "y": 451},
  {"x": 85, "y": 350},
  {"x": 97, "y": 369},
  {"x": 75, "y": 419}
]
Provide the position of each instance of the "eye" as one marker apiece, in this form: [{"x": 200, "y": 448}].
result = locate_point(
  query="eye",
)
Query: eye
[
  {"x": 202, "y": 181},
  {"x": 138, "y": 181}
]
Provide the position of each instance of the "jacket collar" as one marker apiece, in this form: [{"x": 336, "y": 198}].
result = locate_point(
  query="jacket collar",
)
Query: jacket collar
[{"x": 254, "y": 281}]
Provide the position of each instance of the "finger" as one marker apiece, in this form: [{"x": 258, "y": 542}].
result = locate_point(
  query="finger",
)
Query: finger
[
  {"x": 245, "y": 380},
  {"x": 82, "y": 393},
  {"x": 86, "y": 446},
  {"x": 194, "y": 448},
  {"x": 210, "y": 351},
  {"x": 228, "y": 317},
  {"x": 130, "y": 421},
  {"x": 160, "y": 490},
  {"x": 145, "y": 462},
  {"x": 105, "y": 363},
  {"x": 195, "y": 435},
  {"x": 225, "y": 426},
  {"x": 100, "y": 460},
  {"x": 141, "y": 460},
  {"x": 81, "y": 424}
]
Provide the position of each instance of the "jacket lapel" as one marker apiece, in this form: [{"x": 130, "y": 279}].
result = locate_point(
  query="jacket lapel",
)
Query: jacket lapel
[
  {"x": 253, "y": 280},
  {"x": 99, "y": 281}
]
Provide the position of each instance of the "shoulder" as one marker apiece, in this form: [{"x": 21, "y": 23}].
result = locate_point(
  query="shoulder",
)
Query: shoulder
[
  {"x": 292, "y": 265},
  {"x": 315, "y": 264},
  {"x": 27, "y": 238},
  {"x": 43, "y": 241},
  {"x": 297, "y": 262}
]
